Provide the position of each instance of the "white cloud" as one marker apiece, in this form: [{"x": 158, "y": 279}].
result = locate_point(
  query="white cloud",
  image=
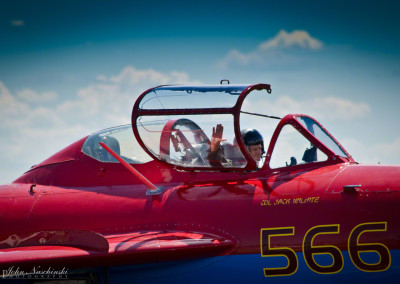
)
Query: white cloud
[
  {"x": 111, "y": 98},
  {"x": 3, "y": 90},
  {"x": 11, "y": 109},
  {"x": 132, "y": 76},
  {"x": 235, "y": 56},
  {"x": 328, "y": 108},
  {"x": 32, "y": 96},
  {"x": 296, "y": 38},
  {"x": 274, "y": 51},
  {"x": 338, "y": 108},
  {"x": 17, "y": 23},
  {"x": 387, "y": 153},
  {"x": 31, "y": 132},
  {"x": 101, "y": 78}
]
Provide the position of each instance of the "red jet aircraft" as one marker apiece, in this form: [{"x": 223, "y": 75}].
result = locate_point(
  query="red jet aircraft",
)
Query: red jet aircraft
[{"x": 148, "y": 205}]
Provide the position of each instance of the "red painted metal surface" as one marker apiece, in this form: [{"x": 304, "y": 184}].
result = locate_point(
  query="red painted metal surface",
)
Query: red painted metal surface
[
  {"x": 99, "y": 214},
  {"x": 130, "y": 168}
]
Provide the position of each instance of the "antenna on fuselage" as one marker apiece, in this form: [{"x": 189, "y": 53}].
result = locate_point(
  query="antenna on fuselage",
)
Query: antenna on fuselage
[{"x": 153, "y": 190}]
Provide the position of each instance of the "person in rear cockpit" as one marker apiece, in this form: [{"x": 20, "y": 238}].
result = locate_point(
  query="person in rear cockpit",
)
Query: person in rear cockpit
[
  {"x": 252, "y": 139},
  {"x": 254, "y": 143}
]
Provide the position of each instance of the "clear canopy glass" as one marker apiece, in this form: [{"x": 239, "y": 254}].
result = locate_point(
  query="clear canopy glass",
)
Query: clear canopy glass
[
  {"x": 321, "y": 135},
  {"x": 185, "y": 140},
  {"x": 121, "y": 140},
  {"x": 192, "y": 97}
]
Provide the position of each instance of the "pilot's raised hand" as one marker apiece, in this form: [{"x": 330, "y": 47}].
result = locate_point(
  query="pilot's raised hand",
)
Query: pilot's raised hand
[{"x": 216, "y": 137}]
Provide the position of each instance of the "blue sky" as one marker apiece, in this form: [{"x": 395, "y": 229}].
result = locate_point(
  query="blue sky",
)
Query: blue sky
[{"x": 69, "y": 68}]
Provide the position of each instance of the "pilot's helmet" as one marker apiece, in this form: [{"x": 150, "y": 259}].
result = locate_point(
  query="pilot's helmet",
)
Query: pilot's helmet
[
  {"x": 102, "y": 154},
  {"x": 252, "y": 137}
]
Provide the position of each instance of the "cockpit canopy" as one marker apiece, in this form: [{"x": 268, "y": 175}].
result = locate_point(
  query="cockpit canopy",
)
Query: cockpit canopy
[
  {"x": 121, "y": 140},
  {"x": 191, "y": 97},
  {"x": 175, "y": 125}
]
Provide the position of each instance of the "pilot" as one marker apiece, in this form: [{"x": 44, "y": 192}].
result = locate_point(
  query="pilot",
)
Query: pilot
[
  {"x": 254, "y": 143},
  {"x": 252, "y": 139}
]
